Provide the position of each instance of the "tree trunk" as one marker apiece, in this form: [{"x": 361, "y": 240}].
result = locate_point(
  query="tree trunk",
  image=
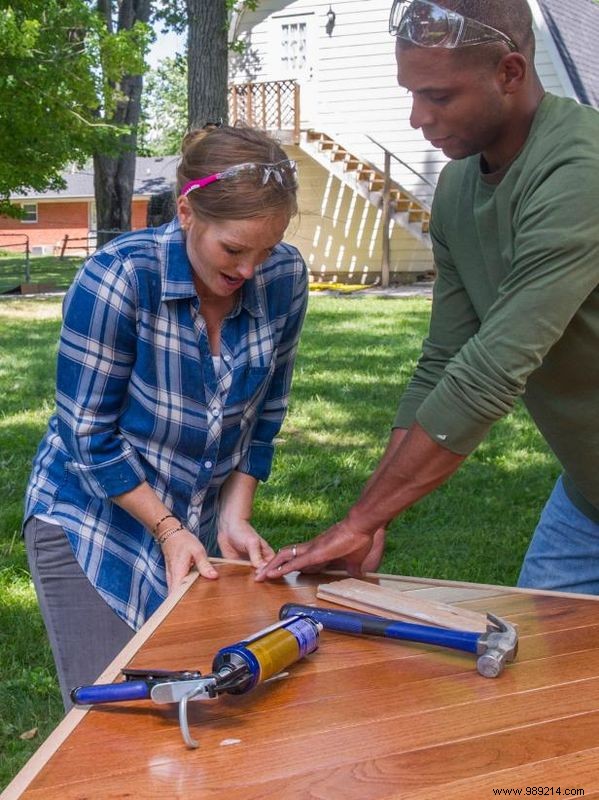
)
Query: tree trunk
[
  {"x": 114, "y": 175},
  {"x": 113, "y": 185},
  {"x": 207, "y": 62}
]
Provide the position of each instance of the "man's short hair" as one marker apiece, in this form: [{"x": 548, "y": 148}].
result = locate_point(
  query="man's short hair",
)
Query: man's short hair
[{"x": 512, "y": 17}]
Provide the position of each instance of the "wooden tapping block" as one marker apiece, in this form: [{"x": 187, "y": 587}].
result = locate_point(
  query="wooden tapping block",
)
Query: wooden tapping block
[{"x": 375, "y": 599}]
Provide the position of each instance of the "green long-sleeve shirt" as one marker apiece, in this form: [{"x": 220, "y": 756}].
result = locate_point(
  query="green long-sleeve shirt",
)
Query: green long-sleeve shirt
[{"x": 516, "y": 299}]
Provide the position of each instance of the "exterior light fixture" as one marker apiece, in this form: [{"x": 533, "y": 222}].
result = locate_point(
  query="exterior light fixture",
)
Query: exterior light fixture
[{"x": 331, "y": 17}]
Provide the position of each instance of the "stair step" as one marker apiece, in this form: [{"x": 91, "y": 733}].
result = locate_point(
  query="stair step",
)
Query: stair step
[
  {"x": 402, "y": 205},
  {"x": 339, "y": 155},
  {"x": 416, "y": 214},
  {"x": 352, "y": 163}
]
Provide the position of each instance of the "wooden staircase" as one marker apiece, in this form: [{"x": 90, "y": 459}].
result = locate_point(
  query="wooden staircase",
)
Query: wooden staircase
[{"x": 406, "y": 209}]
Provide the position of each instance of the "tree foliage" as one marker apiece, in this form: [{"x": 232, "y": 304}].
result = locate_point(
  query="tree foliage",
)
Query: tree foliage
[
  {"x": 164, "y": 108},
  {"x": 61, "y": 69},
  {"x": 70, "y": 86}
]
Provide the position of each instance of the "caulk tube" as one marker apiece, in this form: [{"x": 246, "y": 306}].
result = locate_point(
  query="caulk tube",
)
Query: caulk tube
[{"x": 268, "y": 652}]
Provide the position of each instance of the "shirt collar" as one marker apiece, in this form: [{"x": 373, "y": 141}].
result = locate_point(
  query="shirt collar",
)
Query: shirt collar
[
  {"x": 177, "y": 281},
  {"x": 250, "y": 298}
]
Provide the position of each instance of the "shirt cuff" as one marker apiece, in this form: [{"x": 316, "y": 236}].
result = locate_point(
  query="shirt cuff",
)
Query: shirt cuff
[
  {"x": 406, "y": 413},
  {"x": 257, "y": 462},
  {"x": 449, "y": 425},
  {"x": 110, "y": 478}
]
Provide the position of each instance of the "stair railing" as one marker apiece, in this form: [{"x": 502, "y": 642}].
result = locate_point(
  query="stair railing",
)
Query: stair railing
[{"x": 386, "y": 226}]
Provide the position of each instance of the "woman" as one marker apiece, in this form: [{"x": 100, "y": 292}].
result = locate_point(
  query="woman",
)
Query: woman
[{"x": 174, "y": 369}]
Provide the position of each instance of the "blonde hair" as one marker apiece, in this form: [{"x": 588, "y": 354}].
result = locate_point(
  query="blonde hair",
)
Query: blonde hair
[{"x": 205, "y": 152}]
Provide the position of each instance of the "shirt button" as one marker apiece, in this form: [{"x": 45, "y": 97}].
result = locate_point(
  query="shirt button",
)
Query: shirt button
[
  {"x": 208, "y": 464},
  {"x": 227, "y": 357},
  {"x": 215, "y": 412}
]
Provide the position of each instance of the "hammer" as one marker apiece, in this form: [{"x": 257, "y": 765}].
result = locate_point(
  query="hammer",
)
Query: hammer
[{"x": 496, "y": 647}]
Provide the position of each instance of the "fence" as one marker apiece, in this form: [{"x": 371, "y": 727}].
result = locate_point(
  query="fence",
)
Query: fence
[
  {"x": 273, "y": 106},
  {"x": 83, "y": 244},
  {"x": 18, "y": 240}
]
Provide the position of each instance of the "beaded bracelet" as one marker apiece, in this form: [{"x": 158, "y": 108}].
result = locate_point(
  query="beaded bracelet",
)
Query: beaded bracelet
[
  {"x": 160, "y": 521},
  {"x": 169, "y": 533}
]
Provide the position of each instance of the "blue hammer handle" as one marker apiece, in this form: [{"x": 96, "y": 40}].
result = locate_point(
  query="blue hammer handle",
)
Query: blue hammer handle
[
  {"x": 110, "y": 693},
  {"x": 371, "y": 625}
]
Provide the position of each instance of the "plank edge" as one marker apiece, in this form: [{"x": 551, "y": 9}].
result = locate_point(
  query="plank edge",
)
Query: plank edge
[{"x": 46, "y": 750}]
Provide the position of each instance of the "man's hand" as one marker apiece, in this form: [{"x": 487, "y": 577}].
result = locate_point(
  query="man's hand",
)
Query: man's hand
[{"x": 338, "y": 547}]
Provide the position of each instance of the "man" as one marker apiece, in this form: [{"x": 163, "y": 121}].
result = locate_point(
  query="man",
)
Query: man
[{"x": 515, "y": 231}]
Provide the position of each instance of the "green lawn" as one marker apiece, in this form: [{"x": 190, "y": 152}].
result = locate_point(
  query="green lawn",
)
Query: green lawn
[
  {"x": 356, "y": 355},
  {"x": 43, "y": 269}
]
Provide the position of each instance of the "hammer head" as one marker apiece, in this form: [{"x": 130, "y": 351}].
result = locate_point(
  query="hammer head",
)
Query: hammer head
[{"x": 496, "y": 647}]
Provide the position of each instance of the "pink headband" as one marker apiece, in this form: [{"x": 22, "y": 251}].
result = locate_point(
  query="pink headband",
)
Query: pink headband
[{"x": 199, "y": 183}]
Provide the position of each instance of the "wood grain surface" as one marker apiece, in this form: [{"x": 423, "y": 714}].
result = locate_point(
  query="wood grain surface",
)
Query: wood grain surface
[
  {"x": 360, "y": 719},
  {"x": 388, "y": 602}
]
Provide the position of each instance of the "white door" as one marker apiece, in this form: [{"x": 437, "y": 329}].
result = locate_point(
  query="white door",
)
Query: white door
[{"x": 295, "y": 57}]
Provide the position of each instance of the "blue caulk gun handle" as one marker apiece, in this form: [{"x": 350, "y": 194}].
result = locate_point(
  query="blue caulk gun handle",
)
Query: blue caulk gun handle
[{"x": 110, "y": 693}]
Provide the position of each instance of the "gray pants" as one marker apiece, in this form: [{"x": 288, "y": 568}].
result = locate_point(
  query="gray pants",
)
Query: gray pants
[{"x": 85, "y": 633}]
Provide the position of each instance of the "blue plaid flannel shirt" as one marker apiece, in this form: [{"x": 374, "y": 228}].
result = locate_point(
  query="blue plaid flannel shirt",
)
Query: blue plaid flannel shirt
[{"x": 138, "y": 399}]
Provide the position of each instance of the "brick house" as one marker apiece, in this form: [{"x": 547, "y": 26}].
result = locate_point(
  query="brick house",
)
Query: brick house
[{"x": 52, "y": 215}]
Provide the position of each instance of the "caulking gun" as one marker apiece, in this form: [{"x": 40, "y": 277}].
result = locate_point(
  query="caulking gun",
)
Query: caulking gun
[{"x": 236, "y": 669}]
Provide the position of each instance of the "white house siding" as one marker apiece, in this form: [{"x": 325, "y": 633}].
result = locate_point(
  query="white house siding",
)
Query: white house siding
[
  {"x": 354, "y": 73},
  {"x": 350, "y": 92}
]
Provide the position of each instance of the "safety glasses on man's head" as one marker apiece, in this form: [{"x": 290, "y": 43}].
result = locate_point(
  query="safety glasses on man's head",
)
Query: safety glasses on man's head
[{"x": 428, "y": 25}]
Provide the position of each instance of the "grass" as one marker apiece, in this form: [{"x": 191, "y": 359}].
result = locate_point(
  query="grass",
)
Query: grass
[
  {"x": 42, "y": 269},
  {"x": 355, "y": 357},
  {"x": 29, "y": 696}
]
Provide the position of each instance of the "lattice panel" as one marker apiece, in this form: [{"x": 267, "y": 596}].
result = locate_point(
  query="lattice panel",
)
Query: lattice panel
[{"x": 269, "y": 105}]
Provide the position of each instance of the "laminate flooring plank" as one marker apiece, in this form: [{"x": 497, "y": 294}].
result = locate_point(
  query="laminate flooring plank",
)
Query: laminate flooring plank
[
  {"x": 549, "y": 774},
  {"x": 448, "y": 594},
  {"x": 127, "y": 729},
  {"x": 422, "y": 757}
]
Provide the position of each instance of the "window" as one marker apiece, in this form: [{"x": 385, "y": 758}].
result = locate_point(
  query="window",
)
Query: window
[
  {"x": 292, "y": 54},
  {"x": 30, "y": 212},
  {"x": 293, "y": 47},
  {"x": 92, "y": 216},
  {"x": 92, "y": 224}
]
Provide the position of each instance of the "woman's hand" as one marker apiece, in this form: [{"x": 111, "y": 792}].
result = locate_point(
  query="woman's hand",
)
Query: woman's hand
[
  {"x": 236, "y": 536},
  {"x": 182, "y": 551},
  {"x": 240, "y": 540}
]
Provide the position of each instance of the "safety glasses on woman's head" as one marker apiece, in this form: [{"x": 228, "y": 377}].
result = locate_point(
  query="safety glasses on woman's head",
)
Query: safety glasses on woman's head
[
  {"x": 283, "y": 172},
  {"x": 429, "y": 25}
]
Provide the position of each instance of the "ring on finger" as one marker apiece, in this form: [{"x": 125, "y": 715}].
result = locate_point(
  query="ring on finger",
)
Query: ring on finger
[{"x": 294, "y": 551}]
